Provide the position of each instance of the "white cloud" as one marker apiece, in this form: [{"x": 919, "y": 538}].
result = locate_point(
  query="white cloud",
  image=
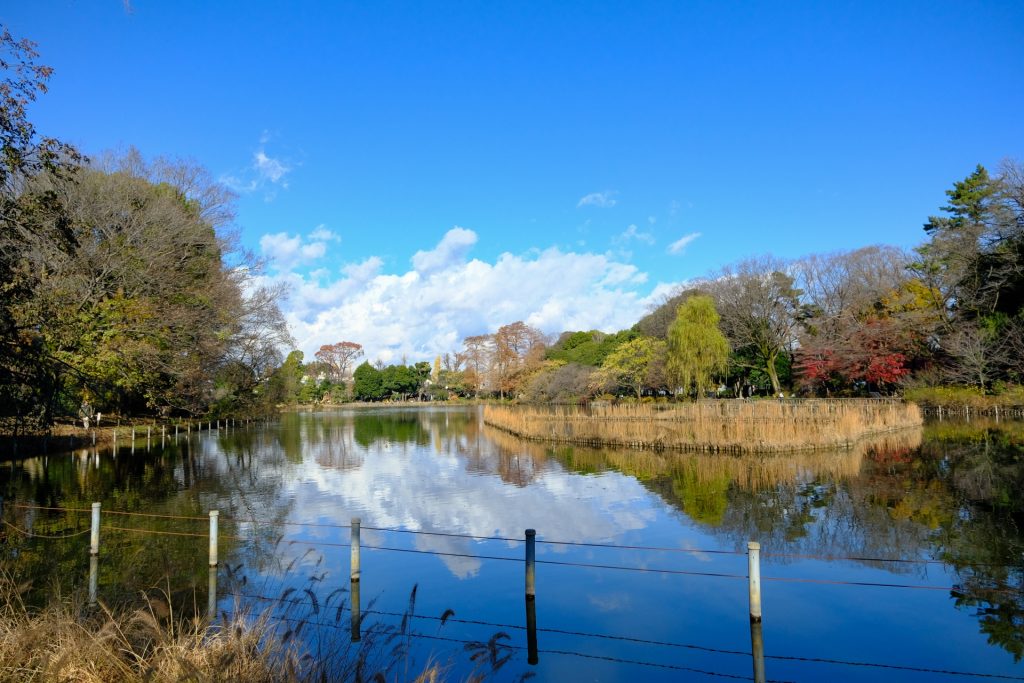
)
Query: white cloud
[
  {"x": 286, "y": 251},
  {"x": 322, "y": 234},
  {"x": 679, "y": 246},
  {"x": 602, "y": 200},
  {"x": 264, "y": 173},
  {"x": 450, "y": 251},
  {"x": 269, "y": 168},
  {"x": 444, "y": 298},
  {"x": 633, "y": 233}
]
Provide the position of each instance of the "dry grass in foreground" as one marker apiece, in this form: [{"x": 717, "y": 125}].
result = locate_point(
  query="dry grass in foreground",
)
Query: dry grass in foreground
[
  {"x": 63, "y": 642},
  {"x": 717, "y": 426},
  {"x": 67, "y": 643}
]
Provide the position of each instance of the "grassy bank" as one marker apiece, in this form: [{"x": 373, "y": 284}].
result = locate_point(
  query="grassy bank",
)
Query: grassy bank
[
  {"x": 717, "y": 426},
  {"x": 67, "y": 435},
  {"x": 952, "y": 400}
]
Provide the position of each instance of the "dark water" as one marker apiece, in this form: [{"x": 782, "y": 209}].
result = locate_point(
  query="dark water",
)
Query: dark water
[{"x": 950, "y": 496}]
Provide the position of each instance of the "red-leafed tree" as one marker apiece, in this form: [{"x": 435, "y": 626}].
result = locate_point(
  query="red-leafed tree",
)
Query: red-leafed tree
[
  {"x": 875, "y": 351},
  {"x": 339, "y": 358}
]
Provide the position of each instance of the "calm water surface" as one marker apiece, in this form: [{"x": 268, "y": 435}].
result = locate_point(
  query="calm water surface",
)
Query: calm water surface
[{"x": 949, "y": 495}]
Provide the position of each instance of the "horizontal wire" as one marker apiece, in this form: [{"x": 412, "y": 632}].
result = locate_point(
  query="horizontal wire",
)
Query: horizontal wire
[
  {"x": 509, "y": 646},
  {"x": 31, "y": 534},
  {"x": 656, "y": 570},
  {"x": 788, "y": 579},
  {"x": 154, "y": 515},
  {"x": 653, "y": 570},
  {"x": 153, "y": 531},
  {"x": 22, "y": 506},
  {"x": 443, "y": 554},
  {"x": 641, "y": 547},
  {"x": 827, "y": 558},
  {"x": 445, "y": 533},
  {"x": 662, "y": 643}
]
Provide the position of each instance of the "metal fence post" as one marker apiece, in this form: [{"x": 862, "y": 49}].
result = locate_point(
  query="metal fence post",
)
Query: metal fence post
[
  {"x": 531, "y": 588},
  {"x": 754, "y": 574},
  {"x": 94, "y": 537},
  {"x": 355, "y": 571},
  {"x": 213, "y": 537}
]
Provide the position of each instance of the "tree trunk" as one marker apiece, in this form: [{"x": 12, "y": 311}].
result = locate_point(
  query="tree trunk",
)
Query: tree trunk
[{"x": 773, "y": 375}]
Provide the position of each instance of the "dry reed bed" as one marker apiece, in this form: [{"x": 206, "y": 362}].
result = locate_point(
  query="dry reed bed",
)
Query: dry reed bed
[{"x": 719, "y": 426}]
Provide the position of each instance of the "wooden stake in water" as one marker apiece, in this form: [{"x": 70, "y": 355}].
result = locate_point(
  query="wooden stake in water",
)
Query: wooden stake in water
[
  {"x": 213, "y": 537},
  {"x": 531, "y": 630},
  {"x": 754, "y": 574},
  {"x": 531, "y": 558},
  {"x": 211, "y": 595},
  {"x": 355, "y": 573},
  {"x": 757, "y": 650},
  {"x": 356, "y": 616},
  {"x": 94, "y": 538},
  {"x": 94, "y": 571}
]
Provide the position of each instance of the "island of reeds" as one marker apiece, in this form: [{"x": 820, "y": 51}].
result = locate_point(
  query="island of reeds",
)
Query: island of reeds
[{"x": 729, "y": 426}]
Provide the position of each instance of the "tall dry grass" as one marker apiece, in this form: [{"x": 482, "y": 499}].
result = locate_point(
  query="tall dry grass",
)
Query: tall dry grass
[
  {"x": 68, "y": 642},
  {"x": 719, "y": 426}
]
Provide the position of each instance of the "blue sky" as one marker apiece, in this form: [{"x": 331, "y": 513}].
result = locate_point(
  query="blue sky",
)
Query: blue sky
[{"x": 421, "y": 172}]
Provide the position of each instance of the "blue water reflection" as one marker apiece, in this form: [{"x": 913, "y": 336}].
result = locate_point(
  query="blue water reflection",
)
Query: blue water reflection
[{"x": 287, "y": 492}]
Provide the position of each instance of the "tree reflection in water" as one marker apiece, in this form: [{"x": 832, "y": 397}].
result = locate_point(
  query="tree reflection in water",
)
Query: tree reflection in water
[{"x": 949, "y": 493}]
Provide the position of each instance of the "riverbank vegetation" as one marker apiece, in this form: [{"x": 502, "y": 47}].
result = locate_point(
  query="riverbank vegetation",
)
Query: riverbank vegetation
[
  {"x": 125, "y": 291},
  {"x": 720, "y": 426},
  {"x": 123, "y": 288},
  {"x": 944, "y": 322},
  {"x": 66, "y": 641}
]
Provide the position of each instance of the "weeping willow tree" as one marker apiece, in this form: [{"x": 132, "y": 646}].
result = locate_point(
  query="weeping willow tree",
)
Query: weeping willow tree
[{"x": 697, "y": 349}]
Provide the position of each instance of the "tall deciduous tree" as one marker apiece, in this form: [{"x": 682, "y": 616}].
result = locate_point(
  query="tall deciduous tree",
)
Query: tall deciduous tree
[
  {"x": 759, "y": 306},
  {"x": 339, "y": 358},
  {"x": 116, "y": 277},
  {"x": 479, "y": 349},
  {"x": 697, "y": 349},
  {"x": 632, "y": 365},
  {"x": 517, "y": 348}
]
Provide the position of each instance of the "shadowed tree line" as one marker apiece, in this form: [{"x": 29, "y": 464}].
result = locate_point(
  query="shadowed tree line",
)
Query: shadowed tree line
[{"x": 121, "y": 284}]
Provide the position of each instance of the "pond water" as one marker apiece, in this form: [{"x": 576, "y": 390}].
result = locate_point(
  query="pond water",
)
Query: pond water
[{"x": 905, "y": 552}]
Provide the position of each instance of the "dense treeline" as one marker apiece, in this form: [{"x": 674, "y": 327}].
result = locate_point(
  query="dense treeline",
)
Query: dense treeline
[
  {"x": 874, "y": 320},
  {"x": 121, "y": 289}
]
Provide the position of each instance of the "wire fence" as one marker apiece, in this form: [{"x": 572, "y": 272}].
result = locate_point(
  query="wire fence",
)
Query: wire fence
[
  {"x": 445, "y": 619},
  {"x": 282, "y": 600},
  {"x": 510, "y": 539}
]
